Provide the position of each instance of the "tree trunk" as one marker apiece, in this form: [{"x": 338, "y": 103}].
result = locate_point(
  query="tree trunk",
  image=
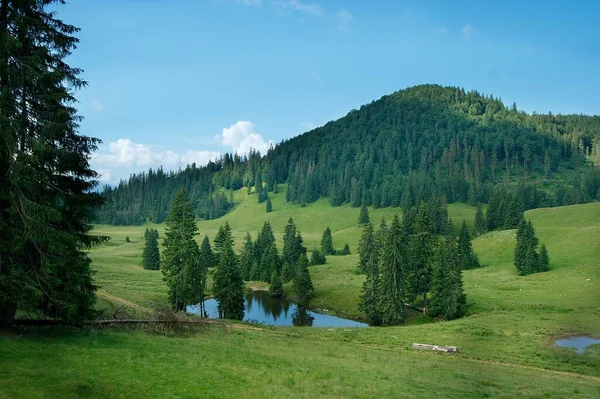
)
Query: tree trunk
[{"x": 7, "y": 315}]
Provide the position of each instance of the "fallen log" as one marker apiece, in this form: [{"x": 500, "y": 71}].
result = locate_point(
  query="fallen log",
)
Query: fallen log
[{"x": 437, "y": 348}]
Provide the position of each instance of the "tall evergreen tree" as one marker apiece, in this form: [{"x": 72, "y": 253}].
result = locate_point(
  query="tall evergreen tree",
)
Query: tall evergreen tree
[
  {"x": 317, "y": 258},
  {"x": 494, "y": 215},
  {"x": 46, "y": 183},
  {"x": 207, "y": 255},
  {"x": 269, "y": 206},
  {"x": 368, "y": 264},
  {"x": 363, "y": 217},
  {"x": 276, "y": 286},
  {"x": 151, "y": 253},
  {"x": 228, "y": 286},
  {"x": 419, "y": 267},
  {"x": 180, "y": 263},
  {"x": 327, "y": 243},
  {"x": 303, "y": 286},
  {"x": 393, "y": 262},
  {"x": 480, "y": 226},
  {"x": 521, "y": 249},
  {"x": 466, "y": 257},
  {"x": 448, "y": 298},
  {"x": 247, "y": 257},
  {"x": 222, "y": 240},
  {"x": 514, "y": 212},
  {"x": 367, "y": 249},
  {"x": 544, "y": 260}
]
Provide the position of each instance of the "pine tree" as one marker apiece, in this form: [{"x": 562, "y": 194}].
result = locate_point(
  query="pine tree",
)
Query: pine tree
[
  {"x": 346, "y": 250},
  {"x": 228, "y": 286},
  {"x": 47, "y": 196},
  {"x": 479, "y": 224},
  {"x": 180, "y": 263},
  {"x": 367, "y": 249},
  {"x": 494, "y": 217},
  {"x": 269, "y": 206},
  {"x": 127, "y": 240},
  {"x": 327, "y": 243},
  {"x": 368, "y": 264},
  {"x": 303, "y": 286},
  {"x": 466, "y": 257},
  {"x": 276, "y": 286},
  {"x": 151, "y": 253},
  {"x": 419, "y": 265},
  {"x": 207, "y": 255},
  {"x": 521, "y": 249},
  {"x": 363, "y": 218},
  {"x": 247, "y": 258},
  {"x": 514, "y": 212},
  {"x": 393, "y": 261},
  {"x": 317, "y": 258},
  {"x": 448, "y": 298},
  {"x": 544, "y": 261},
  {"x": 290, "y": 243}
]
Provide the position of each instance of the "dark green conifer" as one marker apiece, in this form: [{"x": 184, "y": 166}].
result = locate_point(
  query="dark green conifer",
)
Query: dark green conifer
[
  {"x": 514, "y": 212},
  {"x": 367, "y": 249},
  {"x": 228, "y": 285},
  {"x": 466, "y": 257},
  {"x": 479, "y": 223},
  {"x": 269, "y": 206},
  {"x": 151, "y": 253},
  {"x": 448, "y": 298},
  {"x": 276, "y": 286},
  {"x": 363, "y": 217},
  {"x": 247, "y": 257},
  {"x": 544, "y": 261},
  {"x": 317, "y": 258},
  {"x": 303, "y": 286},
  {"x": 393, "y": 262},
  {"x": 327, "y": 243}
]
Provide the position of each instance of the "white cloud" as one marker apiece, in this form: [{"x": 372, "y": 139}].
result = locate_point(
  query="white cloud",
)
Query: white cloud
[
  {"x": 467, "y": 30},
  {"x": 241, "y": 137},
  {"x": 96, "y": 104},
  {"x": 125, "y": 157},
  {"x": 295, "y": 5},
  {"x": 345, "y": 18}
]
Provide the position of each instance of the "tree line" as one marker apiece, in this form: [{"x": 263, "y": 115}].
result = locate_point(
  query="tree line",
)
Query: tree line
[{"x": 397, "y": 151}]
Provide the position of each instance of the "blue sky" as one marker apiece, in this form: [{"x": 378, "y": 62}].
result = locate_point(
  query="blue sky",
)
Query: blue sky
[{"x": 178, "y": 81}]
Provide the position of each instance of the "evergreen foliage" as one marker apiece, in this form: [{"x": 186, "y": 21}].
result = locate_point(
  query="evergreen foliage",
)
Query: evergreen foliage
[
  {"x": 514, "y": 212},
  {"x": 368, "y": 251},
  {"x": 466, "y": 257},
  {"x": 228, "y": 286},
  {"x": 419, "y": 265},
  {"x": 207, "y": 256},
  {"x": 47, "y": 196},
  {"x": 317, "y": 257},
  {"x": 151, "y": 254},
  {"x": 327, "y": 243},
  {"x": 393, "y": 263},
  {"x": 363, "y": 217},
  {"x": 222, "y": 240},
  {"x": 184, "y": 274},
  {"x": 247, "y": 259},
  {"x": 345, "y": 250},
  {"x": 303, "y": 286},
  {"x": 276, "y": 286},
  {"x": 269, "y": 206},
  {"x": 127, "y": 240},
  {"x": 527, "y": 259},
  {"x": 448, "y": 298},
  {"x": 480, "y": 225}
]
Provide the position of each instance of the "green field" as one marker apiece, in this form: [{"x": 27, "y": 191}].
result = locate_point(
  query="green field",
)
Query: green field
[{"x": 506, "y": 339}]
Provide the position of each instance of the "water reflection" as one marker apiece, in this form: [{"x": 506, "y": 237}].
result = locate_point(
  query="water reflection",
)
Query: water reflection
[{"x": 262, "y": 308}]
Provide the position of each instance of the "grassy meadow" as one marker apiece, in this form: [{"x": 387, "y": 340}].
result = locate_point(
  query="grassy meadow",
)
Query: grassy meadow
[{"x": 506, "y": 340}]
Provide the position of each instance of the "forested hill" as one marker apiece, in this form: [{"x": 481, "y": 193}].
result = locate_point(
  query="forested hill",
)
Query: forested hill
[{"x": 412, "y": 144}]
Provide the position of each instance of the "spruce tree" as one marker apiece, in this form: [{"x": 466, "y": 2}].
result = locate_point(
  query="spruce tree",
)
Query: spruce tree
[
  {"x": 393, "y": 262},
  {"x": 514, "y": 212},
  {"x": 291, "y": 251},
  {"x": 269, "y": 206},
  {"x": 127, "y": 240},
  {"x": 222, "y": 240},
  {"x": 276, "y": 286},
  {"x": 180, "y": 263},
  {"x": 479, "y": 224},
  {"x": 228, "y": 286},
  {"x": 151, "y": 253},
  {"x": 363, "y": 217},
  {"x": 419, "y": 265},
  {"x": 367, "y": 249},
  {"x": 207, "y": 255},
  {"x": 521, "y": 249},
  {"x": 448, "y": 298},
  {"x": 466, "y": 257},
  {"x": 247, "y": 258},
  {"x": 327, "y": 243},
  {"x": 544, "y": 261},
  {"x": 494, "y": 217},
  {"x": 368, "y": 264},
  {"x": 317, "y": 258},
  {"x": 303, "y": 286},
  {"x": 346, "y": 250}
]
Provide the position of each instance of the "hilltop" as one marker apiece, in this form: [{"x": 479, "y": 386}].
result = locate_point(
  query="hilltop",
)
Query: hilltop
[{"x": 393, "y": 152}]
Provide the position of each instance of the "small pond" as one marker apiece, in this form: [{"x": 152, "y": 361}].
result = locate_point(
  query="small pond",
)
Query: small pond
[
  {"x": 262, "y": 308},
  {"x": 577, "y": 343}
]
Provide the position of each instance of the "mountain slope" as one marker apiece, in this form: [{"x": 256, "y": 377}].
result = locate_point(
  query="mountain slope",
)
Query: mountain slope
[{"x": 422, "y": 141}]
